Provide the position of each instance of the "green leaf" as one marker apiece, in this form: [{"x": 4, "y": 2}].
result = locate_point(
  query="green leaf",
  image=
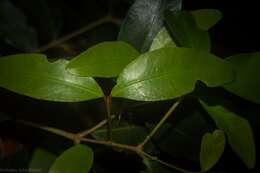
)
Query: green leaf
[
  {"x": 246, "y": 83},
  {"x": 77, "y": 159},
  {"x": 41, "y": 161},
  {"x": 154, "y": 167},
  {"x": 169, "y": 73},
  {"x": 14, "y": 29},
  {"x": 185, "y": 31},
  {"x": 106, "y": 59},
  {"x": 32, "y": 75},
  {"x": 212, "y": 147},
  {"x": 238, "y": 130},
  {"x": 144, "y": 20},
  {"x": 123, "y": 132},
  {"x": 162, "y": 39},
  {"x": 206, "y": 18}
]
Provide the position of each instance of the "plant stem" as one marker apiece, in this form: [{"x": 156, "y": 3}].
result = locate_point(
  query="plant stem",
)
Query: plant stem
[
  {"x": 77, "y": 139},
  {"x": 167, "y": 164},
  {"x": 110, "y": 144},
  {"x": 97, "y": 126},
  {"x": 59, "y": 132},
  {"x": 155, "y": 129},
  {"x": 109, "y": 119}
]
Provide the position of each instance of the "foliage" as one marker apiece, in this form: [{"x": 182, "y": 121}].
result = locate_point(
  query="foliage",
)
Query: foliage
[{"x": 169, "y": 63}]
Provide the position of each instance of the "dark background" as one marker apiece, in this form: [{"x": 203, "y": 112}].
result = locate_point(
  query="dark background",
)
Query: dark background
[{"x": 237, "y": 32}]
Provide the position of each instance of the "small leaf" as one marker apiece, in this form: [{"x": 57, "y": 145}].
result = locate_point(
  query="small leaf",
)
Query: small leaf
[
  {"x": 206, "y": 18},
  {"x": 41, "y": 161},
  {"x": 106, "y": 59},
  {"x": 14, "y": 29},
  {"x": 169, "y": 73},
  {"x": 183, "y": 139},
  {"x": 246, "y": 83},
  {"x": 185, "y": 31},
  {"x": 212, "y": 147},
  {"x": 162, "y": 39},
  {"x": 32, "y": 75},
  {"x": 77, "y": 159},
  {"x": 238, "y": 130},
  {"x": 144, "y": 20}
]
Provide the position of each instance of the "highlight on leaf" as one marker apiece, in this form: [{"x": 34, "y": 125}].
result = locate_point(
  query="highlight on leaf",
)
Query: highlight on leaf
[
  {"x": 105, "y": 59},
  {"x": 168, "y": 73},
  {"x": 34, "y": 76}
]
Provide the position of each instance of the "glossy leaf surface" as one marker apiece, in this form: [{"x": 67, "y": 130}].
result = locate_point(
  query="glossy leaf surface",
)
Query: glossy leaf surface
[
  {"x": 212, "y": 147},
  {"x": 78, "y": 158},
  {"x": 246, "y": 83},
  {"x": 144, "y": 20},
  {"x": 41, "y": 161},
  {"x": 32, "y": 75},
  {"x": 106, "y": 59},
  {"x": 185, "y": 31},
  {"x": 169, "y": 73},
  {"x": 206, "y": 18},
  {"x": 161, "y": 40},
  {"x": 238, "y": 130}
]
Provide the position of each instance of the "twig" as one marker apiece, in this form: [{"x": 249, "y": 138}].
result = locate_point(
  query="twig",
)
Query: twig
[
  {"x": 107, "y": 100},
  {"x": 110, "y": 144},
  {"x": 168, "y": 164},
  {"x": 97, "y": 126},
  {"x": 75, "y": 137},
  {"x": 165, "y": 117},
  {"x": 56, "y": 131},
  {"x": 86, "y": 28}
]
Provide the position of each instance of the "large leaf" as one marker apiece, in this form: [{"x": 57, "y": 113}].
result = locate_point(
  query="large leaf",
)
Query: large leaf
[
  {"x": 123, "y": 132},
  {"x": 162, "y": 39},
  {"x": 14, "y": 29},
  {"x": 41, "y": 161},
  {"x": 78, "y": 159},
  {"x": 32, "y": 75},
  {"x": 169, "y": 73},
  {"x": 246, "y": 83},
  {"x": 106, "y": 59},
  {"x": 185, "y": 31},
  {"x": 144, "y": 20},
  {"x": 206, "y": 18},
  {"x": 212, "y": 147},
  {"x": 238, "y": 130}
]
